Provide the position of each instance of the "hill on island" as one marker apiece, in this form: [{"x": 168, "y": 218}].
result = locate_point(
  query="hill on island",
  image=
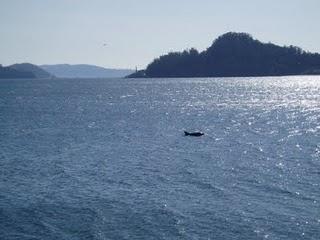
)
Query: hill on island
[
  {"x": 35, "y": 70},
  {"x": 23, "y": 70},
  {"x": 8, "y": 72},
  {"x": 231, "y": 55},
  {"x": 84, "y": 71}
]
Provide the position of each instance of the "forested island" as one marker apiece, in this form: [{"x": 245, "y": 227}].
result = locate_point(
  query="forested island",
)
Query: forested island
[
  {"x": 8, "y": 72},
  {"x": 234, "y": 55},
  {"x": 23, "y": 70}
]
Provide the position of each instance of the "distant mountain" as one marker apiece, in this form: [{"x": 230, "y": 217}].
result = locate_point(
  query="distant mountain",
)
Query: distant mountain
[
  {"x": 8, "y": 72},
  {"x": 234, "y": 54},
  {"x": 84, "y": 71},
  {"x": 23, "y": 70},
  {"x": 31, "y": 68}
]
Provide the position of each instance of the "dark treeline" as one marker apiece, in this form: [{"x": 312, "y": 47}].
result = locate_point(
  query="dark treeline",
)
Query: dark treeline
[{"x": 234, "y": 54}]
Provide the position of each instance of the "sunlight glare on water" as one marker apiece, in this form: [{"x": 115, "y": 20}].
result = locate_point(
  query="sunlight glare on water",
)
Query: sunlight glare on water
[{"x": 107, "y": 159}]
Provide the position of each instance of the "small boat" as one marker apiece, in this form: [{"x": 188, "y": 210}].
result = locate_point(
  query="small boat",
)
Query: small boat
[{"x": 194, "y": 134}]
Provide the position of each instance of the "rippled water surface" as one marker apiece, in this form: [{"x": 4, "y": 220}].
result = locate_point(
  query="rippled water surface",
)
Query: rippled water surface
[{"x": 107, "y": 159}]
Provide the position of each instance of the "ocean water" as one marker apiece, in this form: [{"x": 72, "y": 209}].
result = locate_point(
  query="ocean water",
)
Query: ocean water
[{"x": 107, "y": 158}]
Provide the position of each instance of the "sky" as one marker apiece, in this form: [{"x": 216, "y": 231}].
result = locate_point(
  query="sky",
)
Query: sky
[{"x": 130, "y": 33}]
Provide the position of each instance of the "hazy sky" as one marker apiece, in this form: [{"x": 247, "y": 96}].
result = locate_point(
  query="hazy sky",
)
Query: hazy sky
[{"x": 137, "y": 31}]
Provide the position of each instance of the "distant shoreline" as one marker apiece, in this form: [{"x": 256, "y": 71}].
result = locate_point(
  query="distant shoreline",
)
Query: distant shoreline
[
  {"x": 249, "y": 76},
  {"x": 28, "y": 70},
  {"x": 171, "y": 78}
]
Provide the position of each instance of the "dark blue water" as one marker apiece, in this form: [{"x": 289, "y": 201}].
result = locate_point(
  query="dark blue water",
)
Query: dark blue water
[{"x": 107, "y": 159}]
